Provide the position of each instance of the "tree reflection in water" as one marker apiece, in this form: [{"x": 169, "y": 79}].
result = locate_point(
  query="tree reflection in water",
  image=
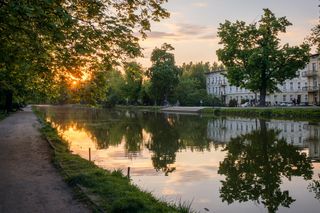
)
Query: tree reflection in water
[{"x": 254, "y": 166}]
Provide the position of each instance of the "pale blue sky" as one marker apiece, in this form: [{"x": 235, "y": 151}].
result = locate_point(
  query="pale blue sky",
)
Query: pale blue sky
[{"x": 193, "y": 24}]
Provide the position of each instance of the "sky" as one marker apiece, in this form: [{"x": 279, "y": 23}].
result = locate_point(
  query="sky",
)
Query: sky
[{"x": 192, "y": 26}]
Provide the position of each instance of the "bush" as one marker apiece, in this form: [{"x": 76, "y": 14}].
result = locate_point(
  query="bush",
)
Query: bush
[{"x": 233, "y": 103}]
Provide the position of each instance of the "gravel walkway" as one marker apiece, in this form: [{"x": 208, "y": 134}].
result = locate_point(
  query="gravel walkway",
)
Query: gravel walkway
[{"x": 28, "y": 180}]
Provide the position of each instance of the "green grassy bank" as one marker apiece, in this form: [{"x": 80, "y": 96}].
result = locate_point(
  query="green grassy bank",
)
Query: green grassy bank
[
  {"x": 287, "y": 113},
  {"x": 106, "y": 191}
]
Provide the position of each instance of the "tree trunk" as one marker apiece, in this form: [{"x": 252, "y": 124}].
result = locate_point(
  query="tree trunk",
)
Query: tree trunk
[
  {"x": 263, "y": 88},
  {"x": 8, "y": 103},
  {"x": 263, "y": 94}
]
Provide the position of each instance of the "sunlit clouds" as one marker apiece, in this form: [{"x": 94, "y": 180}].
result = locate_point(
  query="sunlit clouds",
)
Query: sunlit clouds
[{"x": 192, "y": 26}]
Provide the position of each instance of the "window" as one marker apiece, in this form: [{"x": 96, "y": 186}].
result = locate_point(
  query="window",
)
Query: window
[
  {"x": 306, "y": 98},
  {"x": 284, "y": 98},
  {"x": 314, "y": 67},
  {"x": 275, "y": 97},
  {"x": 291, "y": 86},
  {"x": 299, "y": 85},
  {"x": 284, "y": 86}
]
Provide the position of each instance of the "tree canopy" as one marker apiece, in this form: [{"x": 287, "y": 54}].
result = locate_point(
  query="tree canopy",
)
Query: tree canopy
[
  {"x": 254, "y": 57},
  {"x": 163, "y": 73},
  {"x": 314, "y": 38},
  {"x": 41, "y": 39}
]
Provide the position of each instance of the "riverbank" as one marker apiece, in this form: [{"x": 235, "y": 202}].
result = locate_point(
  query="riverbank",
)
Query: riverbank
[
  {"x": 267, "y": 112},
  {"x": 300, "y": 113},
  {"x": 108, "y": 191}
]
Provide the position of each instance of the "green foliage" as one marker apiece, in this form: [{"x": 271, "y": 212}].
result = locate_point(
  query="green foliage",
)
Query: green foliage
[
  {"x": 115, "y": 89},
  {"x": 41, "y": 40},
  {"x": 314, "y": 38},
  {"x": 189, "y": 93},
  {"x": 93, "y": 91},
  {"x": 253, "y": 56},
  {"x": 305, "y": 113},
  {"x": 196, "y": 72},
  {"x": 191, "y": 89},
  {"x": 133, "y": 84},
  {"x": 233, "y": 103},
  {"x": 163, "y": 73}
]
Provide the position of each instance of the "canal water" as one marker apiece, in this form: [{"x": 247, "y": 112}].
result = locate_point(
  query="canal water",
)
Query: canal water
[{"x": 222, "y": 164}]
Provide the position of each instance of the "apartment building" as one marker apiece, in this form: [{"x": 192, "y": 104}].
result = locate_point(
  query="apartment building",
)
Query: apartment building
[
  {"x": 303, "y": 89},
  {"x": 312, "y": 74}
]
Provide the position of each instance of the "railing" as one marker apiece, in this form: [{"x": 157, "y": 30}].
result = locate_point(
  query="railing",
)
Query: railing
[
  {"x": 310, "y": 73},
  {"x": 311, "y": 88}
]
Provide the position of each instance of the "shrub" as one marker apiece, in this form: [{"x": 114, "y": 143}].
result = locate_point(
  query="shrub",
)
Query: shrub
[{"x": 233, "y": 103}]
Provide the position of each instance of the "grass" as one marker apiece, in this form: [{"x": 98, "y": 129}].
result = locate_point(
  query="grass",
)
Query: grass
[
  {"x": 3, "y": 115},
  {"x": 287, "y": 113},
  {"x": 109, "y": 191}
]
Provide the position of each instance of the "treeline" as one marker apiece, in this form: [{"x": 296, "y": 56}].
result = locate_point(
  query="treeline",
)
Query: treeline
[{"x": 164, "y": 83}]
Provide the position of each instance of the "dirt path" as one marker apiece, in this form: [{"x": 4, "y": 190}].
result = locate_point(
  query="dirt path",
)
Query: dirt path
[{"x": 28, "y": 180}]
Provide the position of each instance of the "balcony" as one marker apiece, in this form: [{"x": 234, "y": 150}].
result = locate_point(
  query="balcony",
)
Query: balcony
[
  {"x": 222, "y": 83},
  {"x": 311, "y": 89},
  {"x": 310, "y": 73}
]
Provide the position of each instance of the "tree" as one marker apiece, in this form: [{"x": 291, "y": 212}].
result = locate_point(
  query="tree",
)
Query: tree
[
  {"x": 314, "y": 38},
  {"x": 197, "y": 72},
  {"x": 42, "y": 39},
  {"x": 115, "y": 88},
  {"x": 133, "y": 78},
  {"x": 163, "y": 73},
  {"x": 253, "y": 56}
]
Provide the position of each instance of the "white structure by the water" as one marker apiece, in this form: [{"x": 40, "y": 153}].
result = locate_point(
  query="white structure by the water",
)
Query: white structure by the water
[{"x": 303, "y": 89}]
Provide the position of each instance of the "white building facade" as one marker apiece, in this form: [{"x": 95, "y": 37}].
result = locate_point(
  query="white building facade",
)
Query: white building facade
[{"x": 294, "y": 90}]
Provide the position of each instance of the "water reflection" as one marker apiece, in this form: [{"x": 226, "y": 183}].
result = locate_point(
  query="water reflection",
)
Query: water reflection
[
  {"x": 255, "y": 165},
  {"x": 202, "y": 159}
]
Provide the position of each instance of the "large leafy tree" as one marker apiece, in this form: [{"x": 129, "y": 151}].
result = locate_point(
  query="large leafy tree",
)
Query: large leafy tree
[
  {"x": 163, "y": 73},
  {"x": 253, "y": 56},
  {"x": 41, "y": 39}
]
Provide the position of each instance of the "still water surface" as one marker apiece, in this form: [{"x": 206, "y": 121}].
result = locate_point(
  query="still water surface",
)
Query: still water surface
[{"x": 218, "y": 164}]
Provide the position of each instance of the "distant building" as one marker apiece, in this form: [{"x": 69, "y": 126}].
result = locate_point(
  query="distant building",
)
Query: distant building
[{"x": 304, "y": 89}]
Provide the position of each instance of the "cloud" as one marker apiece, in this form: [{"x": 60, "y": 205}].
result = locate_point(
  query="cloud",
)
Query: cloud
[
  {"x": 200, "y": 4},
  {"x": 184, "y": 31},
  {"x": 160, "y": 35},
  {"x": 210, "y": 36},
  {"x": 191, "y": 29}
]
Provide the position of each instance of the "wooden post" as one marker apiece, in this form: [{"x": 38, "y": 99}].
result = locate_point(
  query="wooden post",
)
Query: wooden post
[
  {"x": 89, "y": 154},
  {"x": 128, "y": 173}
]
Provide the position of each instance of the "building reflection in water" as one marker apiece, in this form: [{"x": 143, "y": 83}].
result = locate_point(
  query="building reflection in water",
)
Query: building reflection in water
[{"x": 304, "y": 135}]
